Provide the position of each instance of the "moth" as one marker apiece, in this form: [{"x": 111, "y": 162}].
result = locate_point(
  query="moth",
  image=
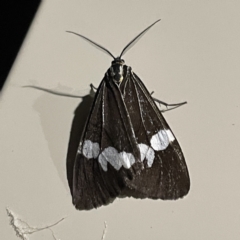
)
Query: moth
[{"x": 127, "y": 148}]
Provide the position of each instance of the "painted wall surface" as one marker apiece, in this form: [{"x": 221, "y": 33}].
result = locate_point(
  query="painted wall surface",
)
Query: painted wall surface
[{"x": 192, "y": 54}]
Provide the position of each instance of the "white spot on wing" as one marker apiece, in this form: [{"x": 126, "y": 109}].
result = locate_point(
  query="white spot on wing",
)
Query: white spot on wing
[
  {"x": 117, "y": 160},
  {"x": 90, "y": 149},
  {"x": 95, "y": 150},
  {"x": 146, "y": 152},
  {"x": 111, "y": 155},
  {"x": 79, "y": 151},
  {"x": 127, "y": 159},
  {"x": 160, "y": 140},
  {"x": 143, "y": 150},
  {"x": 170, "y": 135},
  {"x": 150, "y": 157},
  {"x": 103, "y": 162}
]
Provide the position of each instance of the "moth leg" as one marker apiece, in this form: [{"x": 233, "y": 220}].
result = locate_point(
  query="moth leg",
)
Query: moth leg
[
  {"x": 172, "y": 105},
  {"x": 93, "y": 87},
  {"x": 169, "y": 104}
]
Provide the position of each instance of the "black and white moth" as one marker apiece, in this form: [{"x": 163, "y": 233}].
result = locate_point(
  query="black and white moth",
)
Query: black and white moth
[{"x": 127, "y": 148}]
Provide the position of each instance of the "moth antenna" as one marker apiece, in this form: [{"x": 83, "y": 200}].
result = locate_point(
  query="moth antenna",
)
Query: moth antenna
[
  {"x": 129, "y": 45},
  {"x": 95, "y": 44}
]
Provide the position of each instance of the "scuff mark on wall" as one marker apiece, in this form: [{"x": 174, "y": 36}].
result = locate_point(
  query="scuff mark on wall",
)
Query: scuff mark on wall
[
  {"x": 23, "y": 229},
  {"x": 104, "y": 230}
]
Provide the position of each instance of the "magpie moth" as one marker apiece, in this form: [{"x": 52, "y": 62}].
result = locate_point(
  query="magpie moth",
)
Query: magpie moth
[{"x": 127, "y": 148}]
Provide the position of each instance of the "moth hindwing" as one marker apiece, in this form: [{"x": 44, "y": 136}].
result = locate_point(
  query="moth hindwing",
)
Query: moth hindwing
[{"x": 127, "y": 147}]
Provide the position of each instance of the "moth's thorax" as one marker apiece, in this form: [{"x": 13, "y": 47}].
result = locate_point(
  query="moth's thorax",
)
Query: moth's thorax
[{"x": 117, "y": 70}]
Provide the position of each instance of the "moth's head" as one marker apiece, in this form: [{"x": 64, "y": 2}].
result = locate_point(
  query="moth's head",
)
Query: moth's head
[{"x": 116, "y": 69}]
